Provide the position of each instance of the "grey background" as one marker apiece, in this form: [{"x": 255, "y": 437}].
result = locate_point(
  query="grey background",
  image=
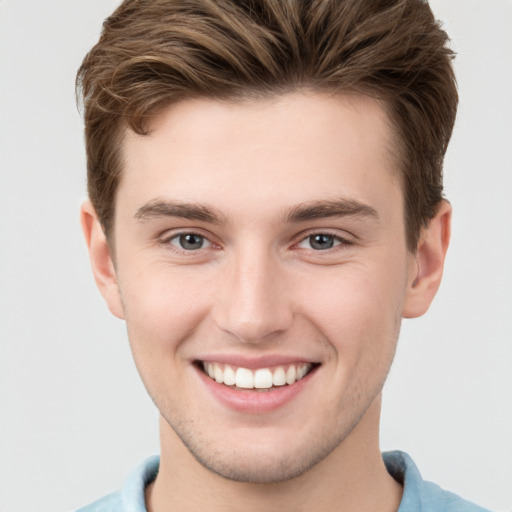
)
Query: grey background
[{"x": 74, "y": 418}]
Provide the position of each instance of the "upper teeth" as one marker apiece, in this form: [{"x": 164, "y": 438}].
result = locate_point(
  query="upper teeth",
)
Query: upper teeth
[{"x": 262, "y": 378}]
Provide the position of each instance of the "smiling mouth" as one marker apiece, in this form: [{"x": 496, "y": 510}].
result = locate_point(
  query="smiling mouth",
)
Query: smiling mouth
[{"x": 261, "y": 379}]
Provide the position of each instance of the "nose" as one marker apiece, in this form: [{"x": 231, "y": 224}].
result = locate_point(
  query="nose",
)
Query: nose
[{"x": 253, "y": 302}]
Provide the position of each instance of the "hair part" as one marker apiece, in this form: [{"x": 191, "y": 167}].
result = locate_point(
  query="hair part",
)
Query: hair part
[{"x": 153, "y": 53}]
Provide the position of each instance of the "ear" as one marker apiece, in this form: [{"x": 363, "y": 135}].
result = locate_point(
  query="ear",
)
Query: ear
[
  {"x": 425, "y": 276},
  {"x": 100, "y": 257}
]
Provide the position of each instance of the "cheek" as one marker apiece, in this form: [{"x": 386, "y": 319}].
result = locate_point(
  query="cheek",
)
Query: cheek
[
  {"x": 358, "y": 306},
  {"x": 162, "y": 304},
  {"x": 162, "y": 310},
  {"x": 357, "y": 290}
]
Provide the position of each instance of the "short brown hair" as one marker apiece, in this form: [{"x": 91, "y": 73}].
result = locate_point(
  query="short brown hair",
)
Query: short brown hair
[{"x": 153, "y": 53}]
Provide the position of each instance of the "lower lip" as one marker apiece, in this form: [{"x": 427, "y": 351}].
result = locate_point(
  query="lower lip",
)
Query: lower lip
[{"x": 252, "y": 401}]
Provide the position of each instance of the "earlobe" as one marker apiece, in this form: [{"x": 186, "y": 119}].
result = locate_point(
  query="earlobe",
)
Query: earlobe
[
  {"x": 100, "y": 257},
  {"x": 430, "y": 256}
]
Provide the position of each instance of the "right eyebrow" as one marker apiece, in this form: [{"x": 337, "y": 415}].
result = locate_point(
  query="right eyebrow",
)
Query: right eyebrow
[
  {"x": 330, "y": 208},
  {"x": 164, "y": 208}
]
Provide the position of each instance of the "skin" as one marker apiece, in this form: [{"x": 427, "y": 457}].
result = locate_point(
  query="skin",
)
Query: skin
[{"x": 259, "y": 287}]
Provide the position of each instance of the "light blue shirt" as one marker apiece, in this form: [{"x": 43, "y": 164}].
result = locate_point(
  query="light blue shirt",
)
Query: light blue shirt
[{"x": 418, "y": 496}]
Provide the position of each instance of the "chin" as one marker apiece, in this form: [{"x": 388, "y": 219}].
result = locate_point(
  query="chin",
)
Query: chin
[
  {"x": 261, "y": 468},
  {"x": 256, "y": 459}
]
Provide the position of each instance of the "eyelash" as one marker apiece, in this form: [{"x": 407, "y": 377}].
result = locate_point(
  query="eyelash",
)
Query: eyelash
[
  {"x": 336, "y": 239},
  {"x": 178, "y": 236}
]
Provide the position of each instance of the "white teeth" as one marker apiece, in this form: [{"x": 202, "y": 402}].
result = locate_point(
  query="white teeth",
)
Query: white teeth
[
  {"x": 229, "y": 376},
  {"x": 279, "y": 377},
  {"x": 301, "y": 371},
  {"x": 291, "y": 373},
  {"x": 262, "y": 378},
  {"x": 244, "y": 378},
  {"x": 218, "y": 374}
]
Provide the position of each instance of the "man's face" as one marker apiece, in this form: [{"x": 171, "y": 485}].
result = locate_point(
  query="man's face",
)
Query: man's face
[{"x": 257, "y": 240}]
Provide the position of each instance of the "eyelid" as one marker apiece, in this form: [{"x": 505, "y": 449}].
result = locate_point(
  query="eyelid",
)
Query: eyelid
[
  {"x": 206, "y": 242},
  {"x": 167, "y": 236},
  {"x": 336, "y": 243},
  {"x": 343, "y": 240}
]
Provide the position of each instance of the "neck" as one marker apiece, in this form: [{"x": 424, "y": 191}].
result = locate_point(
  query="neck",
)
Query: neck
[{"x": 352, "y": 478}]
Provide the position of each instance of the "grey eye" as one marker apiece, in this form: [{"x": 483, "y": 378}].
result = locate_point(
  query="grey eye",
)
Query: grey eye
[
  {"x": 320, "y": 242},
  {"x": 189, "y": 241}
]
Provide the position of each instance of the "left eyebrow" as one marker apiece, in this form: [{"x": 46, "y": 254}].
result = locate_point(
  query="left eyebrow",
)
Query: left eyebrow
[
  {"x": 160, "y": 208},
  {"x": 334, "y": 208}
]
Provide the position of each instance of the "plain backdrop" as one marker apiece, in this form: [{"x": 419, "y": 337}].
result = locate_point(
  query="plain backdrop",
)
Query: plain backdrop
[{"x": 74, "y": 418}]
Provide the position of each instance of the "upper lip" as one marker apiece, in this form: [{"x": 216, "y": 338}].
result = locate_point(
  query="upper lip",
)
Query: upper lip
[{"x": 253, "y": 363}]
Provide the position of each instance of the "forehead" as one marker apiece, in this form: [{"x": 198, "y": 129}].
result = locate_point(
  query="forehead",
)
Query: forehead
[{"x": 278, "y": 151}]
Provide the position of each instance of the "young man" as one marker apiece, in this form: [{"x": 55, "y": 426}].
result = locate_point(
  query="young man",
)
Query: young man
[{"x": 265, "y": 207}]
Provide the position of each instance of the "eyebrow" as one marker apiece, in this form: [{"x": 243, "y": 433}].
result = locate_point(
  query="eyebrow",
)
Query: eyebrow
[
  {"x": 311, "y": 210},
  {"x": 191, "y": 211},
  {"x": 333, "y": 208}
]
